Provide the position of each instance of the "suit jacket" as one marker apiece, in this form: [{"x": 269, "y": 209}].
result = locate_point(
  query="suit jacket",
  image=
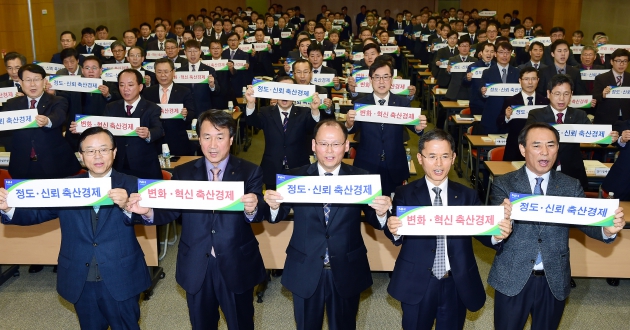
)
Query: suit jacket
[
  {"x": 51, "y": 149},
  {"x": 112, "y": 60},
  {"x": 516, "y": 254},
  {"x": 155, "y": 44},
  {"x": 528, "y": 64},
  {"x": 229, "y": 232},
  {"x": 442, "y": 76},
  {"x": 412, "y": 271},
  {"x": 606, "y": 63},
  {"x": 261, "y": 64},
  {"x": 477, "y": 101},
  {"x": 607, "y": 111},
  {"x": 617, "y": 181},
  {"x": 457, "y": 90},
  {"x": 175, "y": 134},
  {"x": 548, "y": 59},
  {"x": 342, "y": 236},
  {"x": 96, "y": 50},
  {"x": 222, "y": 37},
  {"x": 136, "y": 156},
  {"x": 388, "y": 138},
  {"x": 569, "y": 154},
  {"x": 64, "y": 72},
  {"x": 588, "y": 84},
  {"x": 241, "y": 78},
  {"x": 141, "y": 43},
  {"x": 294, "y": 144},
  {"x": 120, "y": 259},
  {"x": 494, "y": 104},
  {"x": 56, "y": 58},
  {"x": 515, "y": 126},
  {"x": 547, "y": 73},
  {"x": 202, "y": 93}
]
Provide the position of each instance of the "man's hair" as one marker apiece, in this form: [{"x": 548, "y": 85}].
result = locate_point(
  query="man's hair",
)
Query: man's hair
[
  {"x": 233, "y": 34},
  {"x": 179, "y": 22},
  {"x": 528, "y": 19},
  {"x": 527, "y": 70},
  {"x": 304, "y": 40},
  {"x": 333, "y": 31},
  {"x": 217, "y": 20},
  {"x": 142, "y": 52},
  {"x": 507, "y": 15},
  {"x": 435, "y": 135},
  {"x": 95, "y": 59},
  {"x": 519, "y": 27},
  {"x": 331, "y": 123},
  {"x": 218, "y": 119},
  {"x": 69, "y": 52},
  {"x": 536, "y": 43},
  {"x": 315, "y": 48},
  {"x": 199, "y": 25},
  {"x": 145, "y": 24},
  {"x": 505, "y": 45},
  {"x": 619, "y": 52},
  {"x": 93, "y": 131},
  {"x": 70, "y": 33},
  {"x": 557, "y": 29},
  {"x": 299, "y": 61},
  {"x": 135, "y": 72},
  {"x": 372, "y": 46},
  {"x": 87, "y": 30},
  {"x": 522, "y": 136},
  {"x": 282, "y": 78},
  {"x": 558, "y": 80},
  {"x": 591, "y": 48},
  {"x": 34, "y": 68},
  {"x": 486, "y": 44},
  {"x": 380, "y": 63},
  {"x": 160, "y": 25},
  {"x": 452, "y": 33},
  {"x": 12, "y": 56},
  {"x": 191, "y": 16},
  {"x": 170, "y": 41},
  {"x": 101, "y": 28},
  {"x": 117, "y": 43},
  {"x": 164, "y": 60},
  {"x": 216, "y": 41},
  {"x": 557, "y": 43},
  {"x": 579, "y": 32},
  {"x": 464, "y": 40},
  {"x": 192, "y": 43}
]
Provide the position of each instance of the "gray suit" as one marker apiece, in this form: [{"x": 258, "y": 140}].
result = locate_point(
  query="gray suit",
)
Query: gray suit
[
  {"x": 64, "y": 72},
  {"x": 514, "y": 261},
  {"x": 457, "y": 91},
  {"x": 529, "y": 64}
]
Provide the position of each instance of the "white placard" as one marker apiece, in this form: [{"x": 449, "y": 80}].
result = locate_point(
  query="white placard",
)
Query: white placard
[
  {"x": 117, "y": 66},
  {"x": 338, "y": 189},
  {"x": 609, "y": 49},
  {"x": 577, "y": 50},
  {"x": 111, "y": 75},
  {"x": 192, "y": 195},
  {"x": 119, "y": 126},
  {"x": 591, "y": 74},
  {"x": 450, "y": 220},
  {"x": 18, "y": 119},
  {"x": 399, "y": 86},
  {"x": 104, "y": 43},
  {"x": 246, "y": 48},
  {"x": 155, "y": 54},
  {"x": 519, "y": 42},
  {"x": 240, "y": 64},
  {"x": 502, "y": 89},
  {"x": 390, "y": 40},
  {"x": 280, "y": 91},
  {"x": 618, "y": 93},
  {"x": 357, "y": 56},
  {"x": 5, "y": 157},
  {"x": 197, "y": 77},
  {"x": 341, "y": 52},
  {"x": 444, "y": 63},
  {"x": 75, "y": 84},
  {"x": 7, "y": 93},
  {"x": 584, "y": 133},
  {"x": 171, "y": 111},
  {"x": 217, "y": 65},
  {"x": 58, "y": 192},
  {"x": 488, "y": 13},
  {"x": 261, "y": 46},
  {"x": 460, "y": 67},
  {"x": 387, "y": 115},
  {"x": 323, "y": 79},
  {"x": 522, "y": 111},
  {"x": 581, "y": 101},
  {"x": 51, "y": 68},
  {"x": 477, "y": 72},
  {"x": 439, "y": 46},
  {"x": 546, "y": 41},
  {"x": 564, "y": 210},
  {"x": 399, "y": 32},
  {"x": 285, "y": 35}
]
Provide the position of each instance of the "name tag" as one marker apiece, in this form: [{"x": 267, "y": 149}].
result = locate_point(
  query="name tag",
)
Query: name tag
[
  {"x": 338, "y": 189},
  {"x": 502, "y": 89},
  {"x": 450, "y": 220},
  {"x": 75, "y": 84},
  {"x": 192, "y": 195},
  {"x": 58, "y": 192},
  {"x": 584, "y": 133},
  {"x": 564, "y": 210},
  {"x": 171, "y": 111},
  {"x": 18, "y": 119},
  {"x": 118, "y": 126},
  {"x": 387, "y": 114}
]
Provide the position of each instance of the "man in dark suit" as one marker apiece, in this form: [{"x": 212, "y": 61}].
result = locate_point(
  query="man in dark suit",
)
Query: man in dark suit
[
  {"x": 217, "y": 33},
  {"x": 528, "y": 78},
  {"x": 70, "y": 59},
  {"x": 13, "y": 61},
  {"x": 119, "y": 52},
  {"x": 610, "y": 110},
  {"x": 456, "y": 90},
  {"x": 284, "y": 125},
  {"x": 40, "y": 153},
  {"x": 600, "y": 39},
  {"x": 559, "y": 92},
  {"x": 536, "y": 51},
  {"x": 433, "y": 286},
  {"x": 531, "y": 272},
  {"x": 135, "y": 57},
  {"x": 557, "y": 33},
  {"x": 617, "y": 181},
  {"x": 172, "y": 52},
  {"x": 326, "y": 266},
  {"x": 220, "y": 100},
  {"x": 316, "y": 57},
  {"x": 202, "y": 93},
  {"x": 320, "y": 32},
  {"x": 218, "y": 262},
  {"x": 381, "y": 150},
  {"x": 442, "y": 55},
  {"x": 238, "y": 78},
  {"x": 145, "y": 35},
  {"x": 160, "y": 39},
  {"x": 88, "y": 45},
  {"x": 67, "y": 40},
  {"x": 103, "y": 293},
  {"x": 501, "y": 72},
  {"x": 200, "y": 34},
  {"x": 261, "y": 62},
  {"x": 477, "y": 101},
  {"x": 137, "y": 154},
  {"x": 560, "y": 65},
  {"x": 587, "y": 62},
  {"x": 92, "y": 104},
  {"x": 166, "y": 92}
]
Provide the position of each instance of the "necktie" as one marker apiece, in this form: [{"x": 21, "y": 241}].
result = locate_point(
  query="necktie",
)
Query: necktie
[
  {"x": 504, "y": 75},
  {"x": 72, "y": 74},
  {"x": 472, "y": 37},
  {"x": 560, "y": 71},
  {"x": 536, "y": 66},
  {"x": 164, "y": 99},
  {"x": 89, "y": 50},
  {"x": 452, "y": 52},
  {"x": 269, "y": 31},
  {"x": 488, "y": 64},
  {"x": 326, "y": 215},
  {"x": 33, "y": 154},
  {"x": 530, "y": 100},
  {"x": 463, "y": 59},
  {"x": 161, "y": 46},
  {"x": 619, "y": 80},
  {"x": 439, "y": 263},
  {"x": 129, "y": 110},
  {"x": 179, "y": 41},
  {"x": 603, "y": 59},
  {"x": 285, "y": 120},
  {"x": 215, "y": 177},
  {"x": 315, "y": 71},
  {"x": 400, "y": 25},
  {"x": 538, "y": 191},
  {"x": 381, "y": 102},
  {"x": 232, "y": 54},
  {"x": 193, "y": 67},
  {"x": 18, "y": 86},
  {"x": 559, "y": 121}
]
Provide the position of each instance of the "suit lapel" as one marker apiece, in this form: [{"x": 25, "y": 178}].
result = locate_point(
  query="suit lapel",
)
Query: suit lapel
[
  {"x": 104, "y": 211},
  {"x": 277, "y": 118},
  {"x": 42, "y": 105},
  {"x": 421, "y": 193},
  {"x": 313, "y": 171},
  {"x": 343, "y": 170}
]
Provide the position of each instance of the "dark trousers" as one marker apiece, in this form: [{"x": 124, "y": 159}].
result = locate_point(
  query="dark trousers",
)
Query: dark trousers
[
  {"x": 341, "y": 312},
  {"x": 536, "y": 299},
  {"x": 98, "y": 310},
  {"x": 203, "y": 306},
  {"x": 388, "y": 186},
  {"x": 440, "y": 303}
]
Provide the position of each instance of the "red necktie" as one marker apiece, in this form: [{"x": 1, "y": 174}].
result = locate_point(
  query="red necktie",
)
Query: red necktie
[
  {"x": 559, "y": 121},
  {"x": 129, "y": 110},
  {"x": 33, "y": 154}
]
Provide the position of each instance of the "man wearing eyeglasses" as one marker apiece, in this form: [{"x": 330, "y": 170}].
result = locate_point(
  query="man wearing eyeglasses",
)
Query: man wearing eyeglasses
[
  {"x": 102, "y": 270},
  {"x": 135, "y": 57},
  {"x": 172, "y": 52},
  {"x": 287, "y": 129},
  {"x": 381, "y": 150},
  {"x": 120, "y": 53},
  {"x": 203, "y": 93},
  {"x": 237, "y": 78},
  {"x": 326, "y": 266},
  {"x": 610, "y": 110},
  {"x": 436, "y": 277}
]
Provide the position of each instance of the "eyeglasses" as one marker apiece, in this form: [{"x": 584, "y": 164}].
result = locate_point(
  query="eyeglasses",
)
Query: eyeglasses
[
  {"x": 334, "y": 145},
  {"x": 102, "y": 152},
  {"x": 34, "y": 80},
  {"x": 563, "y": 95},
  {"x": 383, "y": 78},
  {"x": 434, "y": 158},
  {"x": 621, "y": 61}
]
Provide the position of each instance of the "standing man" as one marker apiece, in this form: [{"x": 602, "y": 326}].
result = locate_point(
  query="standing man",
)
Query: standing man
[
  {"x": 557, "y": 33},
  {"x": 326, "y": 266},
  {"x": 138, "y": 155},
  {"x": 167, "y": 92},
  {"x": 560, "y": 53},
  {"x": 218, "y": 262},
  {"x": 89, "y": 45},
  {"x": 284, "y": 125},
  {"x": 500, "y": 72},
  {"x": 67, "y": 39},
  {"x": 610, "y": 110},
  {"x": 437, "y": 286},
  {"x": 145, "y": 35},
  {"x": 135, "y": 57},
  {"x": 12, "y": 62},
  {"x": 70, "y": 60},
  {"x": 160, "y": 38},
  {"x": 381, "y": 150},
  {"x": 536, "y": 51},
  {"x": 531, "y": 272},
  {"x": 238, "y": 78},
  {"x": 106, "y": 292},
  {"x": 119, "y": 51},
  {"x": 202, "y": 93},
  {"x": 172, "y": 52},
  {"x": 456, "y": 89},
  {"x": 441, "y": 74}
]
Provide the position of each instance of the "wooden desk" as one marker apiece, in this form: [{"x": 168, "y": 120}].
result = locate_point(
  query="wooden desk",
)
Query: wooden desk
[
  {"x": 461, "y": 126},
  {"x": 412, "y": 168},
  {"x": 476, "y": 142},
  {"x": 452, "y": 108},
  {"x": 182, "y": 160}
]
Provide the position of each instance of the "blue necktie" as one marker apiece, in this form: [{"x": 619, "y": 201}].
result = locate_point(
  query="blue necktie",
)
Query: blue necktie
[
  {"x": 530, "y": 100},
  {"x": 326, "y": 215},
  {"x": 439, "y": 263},
  {"x": 538, "y": 191}
]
